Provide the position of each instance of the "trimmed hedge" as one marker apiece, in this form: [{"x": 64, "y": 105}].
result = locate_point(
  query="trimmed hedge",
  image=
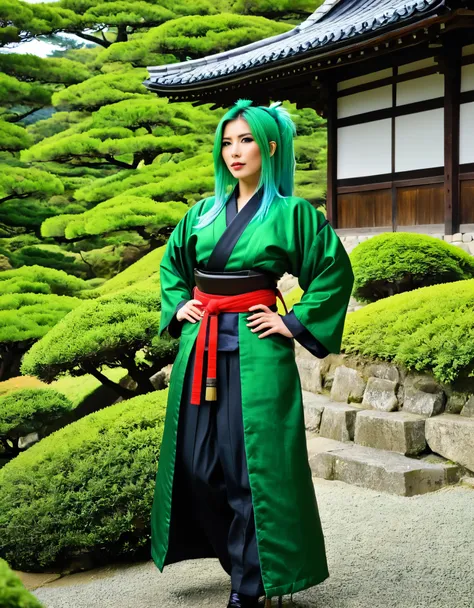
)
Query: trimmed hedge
[
  {"x": 396, "y": 262},
  {"x": 430, "y": 329},
  {"x": 83, "y": 495},
  {"x": 12, "y": 592},
  {"x": 28, "y": 410}
]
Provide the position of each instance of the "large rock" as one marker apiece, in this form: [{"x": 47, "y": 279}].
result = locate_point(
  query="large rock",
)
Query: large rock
[
  {"x": 313, "y": 408},
  {"x": 386, "y": 371},
  {"x": 380, "y": 394},
  {"x": 468, "y": 409},
  {"x": 377, "y": 469},
  {"x": 337, "y": 421},
  {"x": 395, "y": 431},
  {"x": 455, "y": 402},
  {"x": 452, "y": 436},
  {"x": 348, "y": 385},
  {"x": 310, "y": 374},
  {"x": 422, "y": 395}
]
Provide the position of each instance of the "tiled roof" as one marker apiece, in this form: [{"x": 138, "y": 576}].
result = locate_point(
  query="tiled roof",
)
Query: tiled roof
[{"x": 332, "y": 23}]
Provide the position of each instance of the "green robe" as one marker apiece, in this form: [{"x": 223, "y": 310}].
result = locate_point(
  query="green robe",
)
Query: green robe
[{"x": 289, "y": 535}]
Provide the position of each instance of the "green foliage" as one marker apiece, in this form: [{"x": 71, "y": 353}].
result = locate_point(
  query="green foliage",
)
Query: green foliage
[
  {"x": 57, "y": 123},
  {"x": 99, "y": 332},
  {"x": 29, "y": 316},
  {"x": 133, "y": 131},
  {"x": 143, "y": 269},
  {"x": 12, "y": 592},
  {"x": 193, "y": 36},
  {"x": 13, "y": 138},
  {"x": 277, "y": 9},
  {"x": 170, "y": 180},
  {"x": 36, "y": 279},
  {"x": 78, "y": 389},
  {"x": 13, "y": 92},
  {"x": 429, "y": 329},
  {"x": 50, "y": 256},
  {"x": 30, "y": 410},
  {"x": 29, "y": 68},
  {"x": 102, "y": 90},
  {"x": 127, "y": 212},
  {"x": 20, "y": 182},
  {"x": 396, "y": 262},
  {"x": 86, "y": 489}
]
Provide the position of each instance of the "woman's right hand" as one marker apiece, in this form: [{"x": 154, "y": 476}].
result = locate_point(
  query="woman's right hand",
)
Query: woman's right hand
[{"x": 190, "y": 311}]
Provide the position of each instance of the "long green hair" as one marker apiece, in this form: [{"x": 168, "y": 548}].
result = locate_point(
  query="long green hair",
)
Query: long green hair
[{"x": 278, "y": 171}]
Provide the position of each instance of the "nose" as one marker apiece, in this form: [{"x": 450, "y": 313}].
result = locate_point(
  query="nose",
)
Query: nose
[{"x": 235, "y": 150}]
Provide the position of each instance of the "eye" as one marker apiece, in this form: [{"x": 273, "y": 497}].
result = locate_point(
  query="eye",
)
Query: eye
[
  {"x": 247, "y": 139},
  {"x": 224, "y": 143}
]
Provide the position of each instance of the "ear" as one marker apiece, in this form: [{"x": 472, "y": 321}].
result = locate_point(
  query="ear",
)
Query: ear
[{"x": 273, "y": 146}]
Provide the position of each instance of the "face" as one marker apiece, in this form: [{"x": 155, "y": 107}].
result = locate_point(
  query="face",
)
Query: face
[{"x": 239, "y": 146}]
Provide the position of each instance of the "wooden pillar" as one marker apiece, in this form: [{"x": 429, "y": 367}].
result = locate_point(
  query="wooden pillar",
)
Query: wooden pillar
[
  {"x": 331, "y": 197},
  {"x": 452, "y": 92},
  {"x": 393, "y": 152}
]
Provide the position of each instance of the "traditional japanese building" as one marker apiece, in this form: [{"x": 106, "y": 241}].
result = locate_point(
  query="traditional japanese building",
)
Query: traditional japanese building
[{"x": 395, "y": 80}]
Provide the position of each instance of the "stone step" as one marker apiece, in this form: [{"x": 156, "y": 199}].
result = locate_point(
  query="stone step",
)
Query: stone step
[
  {"x": 400, "y": 432},
  {"x": 332, "y": 420},
  {"x": 376, "y": 469}
]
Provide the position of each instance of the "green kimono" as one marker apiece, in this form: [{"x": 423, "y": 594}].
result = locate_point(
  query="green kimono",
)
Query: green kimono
[{"x": 294, "y": 238}]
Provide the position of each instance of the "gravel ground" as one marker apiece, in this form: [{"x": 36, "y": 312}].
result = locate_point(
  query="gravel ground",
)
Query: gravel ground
[{"x": 383, "y": 551}]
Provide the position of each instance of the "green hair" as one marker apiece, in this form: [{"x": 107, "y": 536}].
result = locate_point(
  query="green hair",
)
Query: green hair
[{"x": 278, "y": 171}]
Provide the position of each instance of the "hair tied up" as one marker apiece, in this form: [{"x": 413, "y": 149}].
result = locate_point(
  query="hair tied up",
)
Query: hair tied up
[{"x": 241, "y": 104}]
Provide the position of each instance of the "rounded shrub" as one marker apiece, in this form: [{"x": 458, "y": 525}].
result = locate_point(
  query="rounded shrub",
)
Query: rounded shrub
[
  {"x": 396, "y": 262},
  {"x": 83, "y": 495},
  {"x": 29, "y": 410},
  {"x": 430, "y": 329},
  {"x": 12, "y": 592}
]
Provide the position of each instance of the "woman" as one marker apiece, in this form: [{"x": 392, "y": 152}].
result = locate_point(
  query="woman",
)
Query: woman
[{"x": 233, "y": 480}]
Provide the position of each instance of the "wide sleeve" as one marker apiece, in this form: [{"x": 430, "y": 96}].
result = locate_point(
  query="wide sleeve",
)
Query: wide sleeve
[
  {"x": 325, "y": 275},
  {"x": 177, "y": 272}
]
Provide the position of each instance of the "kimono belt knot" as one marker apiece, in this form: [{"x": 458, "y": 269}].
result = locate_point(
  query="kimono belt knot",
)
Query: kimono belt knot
[{"x": 214, "y": 304}]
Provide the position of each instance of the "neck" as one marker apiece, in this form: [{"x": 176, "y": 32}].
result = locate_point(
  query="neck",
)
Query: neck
[{"x": 247, "y": 188}]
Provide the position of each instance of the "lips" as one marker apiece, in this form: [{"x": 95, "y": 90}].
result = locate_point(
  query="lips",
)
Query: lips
[{"x": 235, "y": 165}]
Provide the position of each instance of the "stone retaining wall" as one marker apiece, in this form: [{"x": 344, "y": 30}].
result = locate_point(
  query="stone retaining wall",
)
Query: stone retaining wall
[
  {"x": 463, "y": 240},
  {"x": 448, "y": 411}
]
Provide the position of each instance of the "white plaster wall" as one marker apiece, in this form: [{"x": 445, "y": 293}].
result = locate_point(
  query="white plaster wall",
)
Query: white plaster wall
[
  {"x": 419, "y": 140},
  {"x": 364, "y": 149},
  {"x": 466, "y": 133},
  {"x": 374, "y": 76},
  {"x": 468, "y": 50},
  {"x": 416, "y": 65},
  {"x": 467, "y": 78},
  {"x": 420, "y": 89},
  {"x": 366, "y": 101}
]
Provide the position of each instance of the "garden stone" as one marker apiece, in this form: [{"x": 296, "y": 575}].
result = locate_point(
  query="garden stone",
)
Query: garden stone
[
  {"x": 385, "y": 371},
  {"x": 337, "y": 421},
  {"x": 394, "y": 431},
  {"x": 455, "y": 402},
  {"x": 468, "y": 409},
  {"x": 380, "y": 394},
  {"x": 423, "y": 396},
  {"x": 310, "y": 374},
  {"x": 313, "y": 409},
  {"x": 463, "y": 246},
  {"x": 348, "y": 385},
  {"x": 457, "y": 236},
  {"x": 466, "y": 237},
  {"x": 452, "y": 436}
]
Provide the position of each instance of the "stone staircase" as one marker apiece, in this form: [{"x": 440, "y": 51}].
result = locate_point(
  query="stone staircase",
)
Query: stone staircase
[{"x": 383, "y": 451}]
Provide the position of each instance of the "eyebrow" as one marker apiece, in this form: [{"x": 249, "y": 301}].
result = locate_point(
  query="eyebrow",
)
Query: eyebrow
[{"x": 241, "y": 135}]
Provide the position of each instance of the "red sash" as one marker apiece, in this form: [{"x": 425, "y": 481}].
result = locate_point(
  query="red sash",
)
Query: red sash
[{"x": 213, "y": 305}]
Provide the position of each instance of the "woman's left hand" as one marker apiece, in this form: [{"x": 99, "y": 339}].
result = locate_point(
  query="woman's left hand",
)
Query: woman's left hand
[{"x": 269, "y": 320}]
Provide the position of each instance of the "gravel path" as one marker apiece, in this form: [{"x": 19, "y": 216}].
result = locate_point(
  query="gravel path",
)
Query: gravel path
[{"x": 384, "y": 551}]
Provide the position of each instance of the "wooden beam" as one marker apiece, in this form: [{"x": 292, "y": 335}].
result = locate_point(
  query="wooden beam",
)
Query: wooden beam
[
  {"x": 452, "y": 82},
  {"x": 331, "y": 197}
]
